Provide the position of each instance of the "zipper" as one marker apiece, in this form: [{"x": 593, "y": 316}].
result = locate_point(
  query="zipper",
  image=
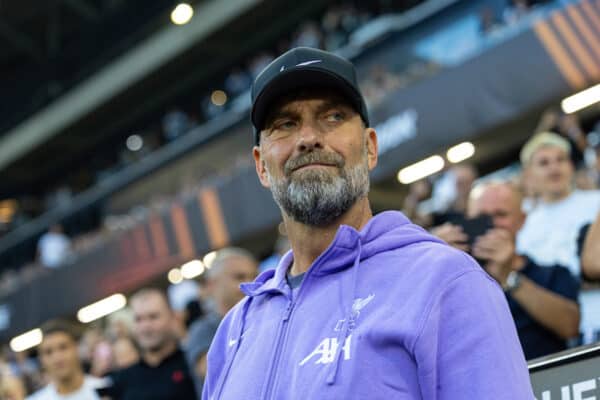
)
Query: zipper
[{"x": 281, "y": 340}]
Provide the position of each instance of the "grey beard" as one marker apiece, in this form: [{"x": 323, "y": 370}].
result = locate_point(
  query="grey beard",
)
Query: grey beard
[{"x": 318, "y": 198}]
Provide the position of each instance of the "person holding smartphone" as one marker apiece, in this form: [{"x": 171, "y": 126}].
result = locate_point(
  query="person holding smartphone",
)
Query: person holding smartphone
[{"x": 542, "y": 299}]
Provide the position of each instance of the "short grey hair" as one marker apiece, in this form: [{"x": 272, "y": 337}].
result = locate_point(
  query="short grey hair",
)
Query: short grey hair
[{"x": 221, "y": 257}]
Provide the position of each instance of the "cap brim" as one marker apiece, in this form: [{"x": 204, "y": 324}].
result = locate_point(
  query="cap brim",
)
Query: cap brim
[{"x": 296, "y": 78}]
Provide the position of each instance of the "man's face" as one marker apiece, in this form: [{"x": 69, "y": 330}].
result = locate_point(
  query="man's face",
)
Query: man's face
[
  {"x": 503, "y": 205},
  {"x": 59, "y": 356},
  {"x": 552, "y": 171},
  {"x": 315, "y": 156},
  {"x": 234, "y": 271},
  {"x": 153, "y": 322}
]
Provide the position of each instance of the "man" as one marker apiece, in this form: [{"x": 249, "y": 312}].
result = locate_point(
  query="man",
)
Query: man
[
  {"x": 462, "y": 177},
  {"x": 549, "y": 235},
  {"x": 162, "y": 372},
  {"x": 58, "y": 354},
  {"x": 542, "y": 300},
  {"x": 54, "y": 247},
  {"x": 362, "y": 307},
  {"x": 231, "y": 267}
]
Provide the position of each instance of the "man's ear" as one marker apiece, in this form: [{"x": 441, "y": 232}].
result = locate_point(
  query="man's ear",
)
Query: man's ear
[
  {"x": 372, "y": 148},
  {"x": 261, "y": 169}
]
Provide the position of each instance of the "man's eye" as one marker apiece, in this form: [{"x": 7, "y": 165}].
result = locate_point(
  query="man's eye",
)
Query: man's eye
[
  {"x": 285, "y": 124},
  {"x": 335, "y": 116}
]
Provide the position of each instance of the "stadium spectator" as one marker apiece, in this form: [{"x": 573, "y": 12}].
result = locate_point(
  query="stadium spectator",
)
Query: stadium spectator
[
  {"x": 54, "y": 247},
  {"x": 542, "y": 300},
  {"x": 488, "y": 22},
  {"x": 560, "y": 209},
  {"x": 308, "y": 35},
  {"x": 568, "y": 126},
  {"x": 124, "y": 353},
  {"x": 549, "y": 235},
  {"x": 453, "y": 189},
  {"x": 162, "y": 372},
  {"x": 11, "y": 387},
  {"x": 378, "y": 84},
  {"x": 175, "y": 123},
  {"x": 258, "y": 62},
  {"x": 231, "y": 267},
  {"x": 418, "y": 193},
  {"x": 334, "y": 35},
  {"x": 237, "y": 82},
  {"x": 517, "y": 11},
  {"x": 101, "y": 362},
  {"x": 180, "y": 295},
  {"x": 60, "y": 359}
]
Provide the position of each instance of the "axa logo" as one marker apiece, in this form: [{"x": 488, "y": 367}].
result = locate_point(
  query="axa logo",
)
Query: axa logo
[{"x": 325, "y": 352}]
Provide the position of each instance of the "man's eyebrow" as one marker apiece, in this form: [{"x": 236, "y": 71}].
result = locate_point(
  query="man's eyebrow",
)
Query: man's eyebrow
[
  {"x": 279, "y": 114},
  {"x": 330, "y": 104}
]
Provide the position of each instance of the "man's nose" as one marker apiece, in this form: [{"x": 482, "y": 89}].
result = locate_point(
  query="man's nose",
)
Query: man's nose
[{"x": 310, "y": 137}]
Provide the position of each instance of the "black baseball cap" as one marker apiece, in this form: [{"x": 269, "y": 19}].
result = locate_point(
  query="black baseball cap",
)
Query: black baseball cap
[{"x": 304, "y": 67}]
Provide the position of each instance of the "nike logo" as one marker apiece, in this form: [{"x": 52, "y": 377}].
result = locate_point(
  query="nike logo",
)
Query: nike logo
[
  {"x": 302, "y": 64},
  {"x": 232, "y": 342},
  {"x": 308, "y": 63}
]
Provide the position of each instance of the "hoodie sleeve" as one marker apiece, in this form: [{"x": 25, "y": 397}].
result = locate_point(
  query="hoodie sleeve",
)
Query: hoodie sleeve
[{"x": 468, "y": 346}]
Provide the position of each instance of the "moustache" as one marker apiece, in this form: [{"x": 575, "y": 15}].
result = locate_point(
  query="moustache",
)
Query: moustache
[{"x": 319, "y": 157}]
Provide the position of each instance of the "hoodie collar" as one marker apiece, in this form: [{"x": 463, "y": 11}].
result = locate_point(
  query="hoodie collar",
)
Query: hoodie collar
[{"x": 385, "y": 231}]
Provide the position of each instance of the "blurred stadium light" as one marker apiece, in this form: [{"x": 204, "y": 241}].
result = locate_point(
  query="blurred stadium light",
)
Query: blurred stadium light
[
  {"x": 101, "y": 308},
  {"x": 581, "y": 100},
  {"x": 421, "y": 169},
  {"x": 182, "y": 14},
  {"x": 26, "y": 340}
]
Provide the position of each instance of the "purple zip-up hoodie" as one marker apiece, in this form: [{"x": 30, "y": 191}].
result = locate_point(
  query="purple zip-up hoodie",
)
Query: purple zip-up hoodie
[{"x": 389, "y": 312}]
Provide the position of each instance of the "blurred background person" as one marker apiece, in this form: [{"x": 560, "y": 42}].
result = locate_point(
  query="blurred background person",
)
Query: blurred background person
[
  {"x": 11, "y": 387},
  {"x": 231, "y": 267},
  {"x": 54, "y": 247},
  {"x": 162, "y": 372},
  {"x": 125, "y": 353},
  {"x": 59, "y": 357},
  {"x": 549, "y": 235},
  {"x": 542, "y": 299}
]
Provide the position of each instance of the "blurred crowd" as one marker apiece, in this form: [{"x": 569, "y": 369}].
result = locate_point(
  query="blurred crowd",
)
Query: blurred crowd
[
  {"x": 535, "y": 229},
  {"x": 331, "y": 31},
  {"x": 155, "y": 347},
  {"x": 533, "y": 226}
]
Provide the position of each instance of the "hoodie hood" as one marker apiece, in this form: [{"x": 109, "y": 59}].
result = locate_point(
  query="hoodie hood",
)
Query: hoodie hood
[{"x": 386, "y": 231}]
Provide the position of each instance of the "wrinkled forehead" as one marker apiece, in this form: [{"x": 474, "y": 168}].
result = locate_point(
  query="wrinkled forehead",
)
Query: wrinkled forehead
[{"x": 293, "y": 102}]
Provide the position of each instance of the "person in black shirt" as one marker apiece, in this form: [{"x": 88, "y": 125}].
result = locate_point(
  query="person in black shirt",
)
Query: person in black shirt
[
  {"x": 542, "y": 299},
  {"x": 162, "y": 372}
]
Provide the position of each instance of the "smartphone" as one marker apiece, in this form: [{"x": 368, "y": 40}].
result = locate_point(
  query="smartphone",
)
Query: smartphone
[{"x": 474, "y": 227}]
